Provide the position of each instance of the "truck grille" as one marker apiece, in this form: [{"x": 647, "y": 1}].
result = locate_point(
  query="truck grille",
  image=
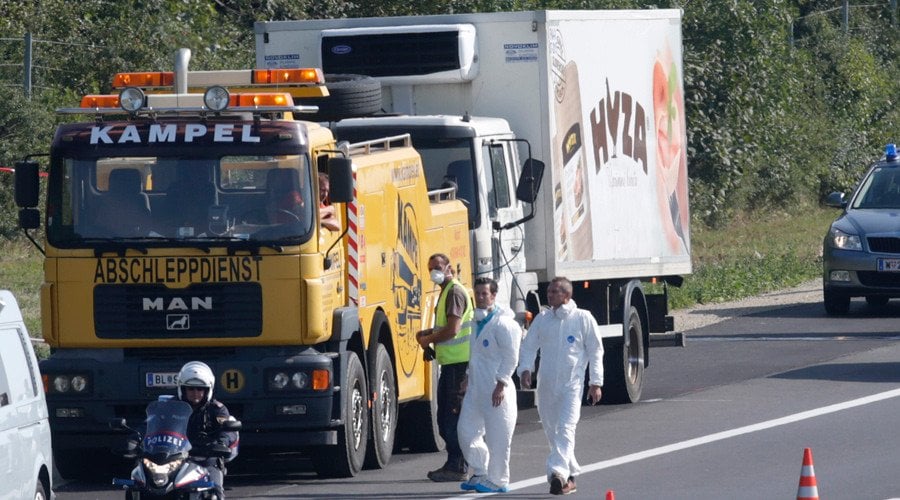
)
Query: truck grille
[
  {"x": 884, "y": 244},
  {"x": 198, "y": 311}
]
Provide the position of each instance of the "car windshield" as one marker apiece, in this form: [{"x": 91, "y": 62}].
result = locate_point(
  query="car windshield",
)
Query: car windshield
[
  {"x": 880, "y": 189},
  {"x": 170, "y": 199}
]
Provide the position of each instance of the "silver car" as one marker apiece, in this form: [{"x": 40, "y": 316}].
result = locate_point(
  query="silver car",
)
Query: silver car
[{"x": 861, "y": 252}]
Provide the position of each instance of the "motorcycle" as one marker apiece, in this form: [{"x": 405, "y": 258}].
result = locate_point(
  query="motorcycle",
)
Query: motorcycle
[{"x": 167, "y": 465}]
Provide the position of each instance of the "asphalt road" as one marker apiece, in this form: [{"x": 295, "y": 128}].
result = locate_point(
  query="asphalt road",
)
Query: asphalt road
[{"x": 727, "y": 416}]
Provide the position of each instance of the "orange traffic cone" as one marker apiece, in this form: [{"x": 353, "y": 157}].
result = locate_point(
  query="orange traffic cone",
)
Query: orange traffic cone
[
  {"x": 610, "y": 495},
  {"x": 807, "y": 489}
]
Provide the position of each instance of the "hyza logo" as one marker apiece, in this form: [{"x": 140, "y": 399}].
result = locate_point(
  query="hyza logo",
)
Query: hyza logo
[{"x": 178, "y": 322}]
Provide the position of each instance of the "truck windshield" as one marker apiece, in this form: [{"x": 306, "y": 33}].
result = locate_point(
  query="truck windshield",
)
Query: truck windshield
[{"x": 167, "y": 200}]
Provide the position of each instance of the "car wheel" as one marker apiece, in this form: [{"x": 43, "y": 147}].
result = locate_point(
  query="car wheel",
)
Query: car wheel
[
  {"x": 39, "y": 492},
  {"x": 836, "y": 303}
]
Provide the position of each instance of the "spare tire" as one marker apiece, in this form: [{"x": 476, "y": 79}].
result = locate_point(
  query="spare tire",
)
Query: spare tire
[{"x": 350, "y": 96}]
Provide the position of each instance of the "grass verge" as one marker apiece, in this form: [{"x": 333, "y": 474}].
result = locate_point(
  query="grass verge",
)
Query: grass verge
[{"x": 754, "y": 254}]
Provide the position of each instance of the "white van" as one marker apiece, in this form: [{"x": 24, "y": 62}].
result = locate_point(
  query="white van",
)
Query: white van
[{"x": 26, "y": 460}]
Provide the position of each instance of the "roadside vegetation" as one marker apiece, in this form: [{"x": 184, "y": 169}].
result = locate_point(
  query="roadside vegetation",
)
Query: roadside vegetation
[{"x": 784, "y": 100}]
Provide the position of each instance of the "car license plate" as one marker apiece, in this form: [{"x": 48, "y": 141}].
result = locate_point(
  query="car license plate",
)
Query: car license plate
[
  {"x": 889, "y": 265},
  {"x": 161, "y": 379}
]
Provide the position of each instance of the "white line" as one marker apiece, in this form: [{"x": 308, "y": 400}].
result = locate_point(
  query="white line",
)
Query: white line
[
  {"x": 739, "y": 338},
  {"x": 710, "y": 438}
]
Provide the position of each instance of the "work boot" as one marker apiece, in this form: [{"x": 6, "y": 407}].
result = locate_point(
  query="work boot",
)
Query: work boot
[
  {"x": 556, "y": 484},
  {"x": 569, "y": 487},
  {"x": 444, "y": 475}
]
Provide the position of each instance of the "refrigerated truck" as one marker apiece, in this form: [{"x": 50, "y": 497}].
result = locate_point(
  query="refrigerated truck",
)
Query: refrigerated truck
[{"x": 595, "y": 95}]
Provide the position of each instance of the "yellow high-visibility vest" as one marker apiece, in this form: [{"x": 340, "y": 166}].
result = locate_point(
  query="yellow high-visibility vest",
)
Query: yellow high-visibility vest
[{"x": 455, "y": 350}]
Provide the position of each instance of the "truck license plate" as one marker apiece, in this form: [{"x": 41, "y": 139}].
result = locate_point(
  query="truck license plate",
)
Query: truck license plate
[
  {"x": 889, "y": 265},
  {"x": 157, "y": 379}
]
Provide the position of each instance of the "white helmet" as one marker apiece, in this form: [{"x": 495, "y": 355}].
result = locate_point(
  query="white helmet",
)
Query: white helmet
[{"x": 196, "y": 374}]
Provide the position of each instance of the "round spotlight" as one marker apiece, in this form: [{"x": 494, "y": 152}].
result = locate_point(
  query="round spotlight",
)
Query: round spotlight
[
  {"x": 300, "y": 380},
  {"x": 79, "y": 383},
  {"x": 216, "y": 98},
  {"x": 279, "y": 380},
  {"x": 61, "y": 383},
  {"x": 131, "y": 99}
]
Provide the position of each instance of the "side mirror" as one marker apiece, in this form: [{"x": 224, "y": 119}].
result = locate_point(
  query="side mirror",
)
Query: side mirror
[
  {"x": 27, "y": 184},
  {"x": 118, "y": 424},
  {"x": 340, "y": 177},
  {"x": 835, "y": 200},
  {"x": 530, "y": 180},
  {"x": 29, "y": 218}
]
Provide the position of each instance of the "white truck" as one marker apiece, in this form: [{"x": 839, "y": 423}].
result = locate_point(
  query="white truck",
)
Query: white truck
[{"x": 595, "y": 95}]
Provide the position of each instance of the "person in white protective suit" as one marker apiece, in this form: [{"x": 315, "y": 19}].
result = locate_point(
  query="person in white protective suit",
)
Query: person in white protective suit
[
  {"x": 569, "y": 340},
  {"x": 488, "y": 416}
]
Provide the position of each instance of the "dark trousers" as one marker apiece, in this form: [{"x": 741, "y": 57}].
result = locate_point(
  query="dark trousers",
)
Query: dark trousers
[{"x": 449, "y": 402}]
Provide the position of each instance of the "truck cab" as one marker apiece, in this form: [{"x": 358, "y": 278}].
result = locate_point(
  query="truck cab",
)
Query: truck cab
[
  {"x": 476, "y": 160},
  {"x": 183, "y": 223}
]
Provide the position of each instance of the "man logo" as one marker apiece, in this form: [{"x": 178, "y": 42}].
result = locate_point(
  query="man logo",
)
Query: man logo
[{"x": 178, "y": 322}]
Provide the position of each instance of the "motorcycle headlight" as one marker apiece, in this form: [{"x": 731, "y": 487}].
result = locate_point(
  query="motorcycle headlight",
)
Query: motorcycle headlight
[{"x": 159, "y": 473}]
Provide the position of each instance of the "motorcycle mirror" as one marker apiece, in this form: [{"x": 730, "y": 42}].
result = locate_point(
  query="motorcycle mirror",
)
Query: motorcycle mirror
[
  {"x": 231, "y": 425},
  {"x": 118, "y": 424}
]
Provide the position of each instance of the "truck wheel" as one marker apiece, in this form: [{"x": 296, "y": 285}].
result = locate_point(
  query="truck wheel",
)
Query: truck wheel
[
  {"x": 624, "y": 366},
  {"x": 346, "y": 459},
  {"x": 350, "y": 96},
  {"x": 836, "y": 304},
  {"x": 420, "y": 432},
  {"x": 384, "y": 411}
]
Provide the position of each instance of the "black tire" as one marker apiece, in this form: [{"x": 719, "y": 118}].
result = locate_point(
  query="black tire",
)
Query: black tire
[
  {"x": 384, "y": 411},
  {"x": 40, "y": 492},
  {"x": 419, "y": 430},
  {"x": 346, "y": 459},
  {"x": 877, "y": 300},
  {"x": 836, "y": 304},
  {"x": 624, "y": 365},
  {"x": 350, "y": 96}
]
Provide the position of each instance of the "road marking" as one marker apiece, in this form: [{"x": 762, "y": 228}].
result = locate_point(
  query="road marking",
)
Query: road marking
[
  {"x": 752, "y": 338},
  {"x": 710, "y": 438}
]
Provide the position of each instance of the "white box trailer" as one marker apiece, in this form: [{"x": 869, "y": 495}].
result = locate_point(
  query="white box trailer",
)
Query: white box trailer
[{"x": 599, "y": 97}]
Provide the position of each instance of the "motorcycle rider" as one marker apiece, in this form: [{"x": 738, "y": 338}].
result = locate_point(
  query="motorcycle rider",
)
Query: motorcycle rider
[{"x": 195, "y": 386}]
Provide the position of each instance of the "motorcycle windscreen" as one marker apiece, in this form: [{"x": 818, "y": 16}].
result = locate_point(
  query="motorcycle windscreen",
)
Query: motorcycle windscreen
[{"x": 167, "y": 423}]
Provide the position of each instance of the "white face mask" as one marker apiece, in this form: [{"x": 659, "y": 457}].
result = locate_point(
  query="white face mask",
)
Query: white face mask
[
  {"x": 437, "y": 277},
  {"x": 480, "y": 314}
]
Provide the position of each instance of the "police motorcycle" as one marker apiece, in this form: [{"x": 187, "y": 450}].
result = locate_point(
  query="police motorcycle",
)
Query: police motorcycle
[{"x": 164, "y": 467}]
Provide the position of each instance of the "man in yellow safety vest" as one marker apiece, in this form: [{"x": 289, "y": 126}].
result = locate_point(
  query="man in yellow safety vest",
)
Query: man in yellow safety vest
[{"x": 450, "y": 336}]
